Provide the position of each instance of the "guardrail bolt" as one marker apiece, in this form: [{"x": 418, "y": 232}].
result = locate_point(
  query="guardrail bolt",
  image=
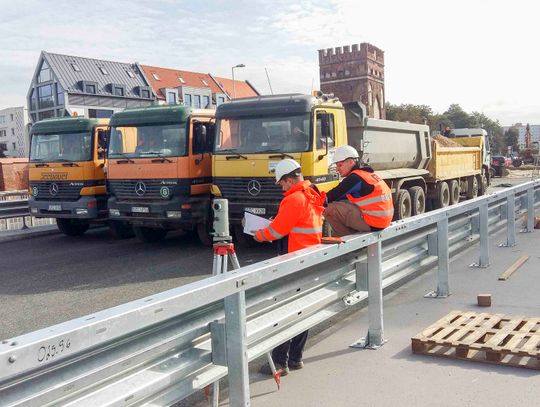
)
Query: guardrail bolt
[{"x": 12, "y": 359}]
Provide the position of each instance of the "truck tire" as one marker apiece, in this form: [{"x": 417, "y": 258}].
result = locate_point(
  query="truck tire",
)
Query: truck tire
[
  {"x": 149, "y": 235},
  {"x": 454, "y": 192},
  {"x": 482, "y": 184},
  {"x": 442, "y": 198},
  {"x": 472, "y": 187},
  {"x": 403, "y": 205},
  {"x": 204, "y": 234},
  {"x": 120, "y": 229},
  {"x": 418, "y": 200},
  {"x": 516, "y": 162},
  {"x": 72, "y": 227}
]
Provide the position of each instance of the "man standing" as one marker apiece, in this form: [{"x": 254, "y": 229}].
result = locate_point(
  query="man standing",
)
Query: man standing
[
  {"x": 362, "y": 202},
  {"x": 298, "y": 225}
]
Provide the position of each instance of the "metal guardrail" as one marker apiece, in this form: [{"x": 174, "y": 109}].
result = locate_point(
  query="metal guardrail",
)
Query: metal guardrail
[
  {"x": 14, "y": 205},
  {"x": 158, "y": 350}
]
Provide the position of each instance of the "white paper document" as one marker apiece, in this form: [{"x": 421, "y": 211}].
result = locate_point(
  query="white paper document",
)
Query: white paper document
[{"x": 254, "y": 223}]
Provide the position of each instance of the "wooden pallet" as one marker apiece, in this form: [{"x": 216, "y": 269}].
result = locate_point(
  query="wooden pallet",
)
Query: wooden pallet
[{"x": 483, "y": 337}]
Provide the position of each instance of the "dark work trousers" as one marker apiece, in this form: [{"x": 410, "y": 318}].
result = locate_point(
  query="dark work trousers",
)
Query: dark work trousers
[{"x": 292, "y": 349}]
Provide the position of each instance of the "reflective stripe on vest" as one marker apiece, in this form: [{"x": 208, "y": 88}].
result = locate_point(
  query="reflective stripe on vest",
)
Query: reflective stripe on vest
[
  {"x": 380, "y": 214},
  {"x": 307, "y": 231},
  {"x": 365, "y": 202},
  {"x": 274, "y": 233}
]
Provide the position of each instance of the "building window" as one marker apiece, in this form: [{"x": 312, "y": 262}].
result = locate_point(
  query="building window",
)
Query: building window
[
  {"x": 2, "y": 119},
  {"x": 206, "y": 102},
  {"x": 156, "y": 76},
  {"x": 118, "y": 91},
  {"x": 181, "y": 79},
  {"x": 334, "y": 74},
  {"x": 44, "y": 73},
  {"x": 347, "y": 72},
  {"x": 187, "y": 99},
  {"x": 59, "y": 94},
  {"x": 171, "y": 98},
  {"x": 103, "y": 70},
  {"x": 75, "y": 67},
  {"x": 197, "y": 101},
  {"x": 130, "y": 74},
  {"x": 46, "y": 114},
  {"x": 90, "y": 88},
  {"x": 45, "y": 96},
  {"x": 100, "y": 113},
  {"x": 12, "y": 131},
  {"x": 11, "y": 116},
  {"x": 327, "y": 75},
  {"x": 14, "y": 146},
  {"x": 3, "y": 133},
  {"x": 220, "y": 100},
  {"x": 145, "y": 93}
]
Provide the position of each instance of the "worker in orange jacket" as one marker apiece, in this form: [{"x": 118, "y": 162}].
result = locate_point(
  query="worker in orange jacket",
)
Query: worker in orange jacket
[
  {"x": 298, "y": 224},
  {"x": 362, "y": 202}
]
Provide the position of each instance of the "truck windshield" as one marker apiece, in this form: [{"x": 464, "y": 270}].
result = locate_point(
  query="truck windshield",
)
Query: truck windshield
[
  {"x": 61, "y": 147},
  {"x": 285, "y": 134},
  {"x": 165, "y": 140}
]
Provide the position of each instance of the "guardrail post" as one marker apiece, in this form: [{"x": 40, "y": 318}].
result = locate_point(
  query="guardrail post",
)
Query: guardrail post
[
  {"x": 510, "y": 222},
  {"x": 237, "y": 360},
  {"x": 375, "y": 336},
  {"x": 443, "y": 255},
  {"x": 530, "y": 211},
  {"x": 483, "y": 261}
]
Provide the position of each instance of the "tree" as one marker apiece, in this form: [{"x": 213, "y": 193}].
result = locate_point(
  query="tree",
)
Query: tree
[
  {"x": 511, "y": 138},
  {"x": 459, "y": 118}
]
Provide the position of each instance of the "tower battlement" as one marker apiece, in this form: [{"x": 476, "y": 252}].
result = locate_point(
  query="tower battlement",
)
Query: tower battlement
[{"x": 348, "y": 53}]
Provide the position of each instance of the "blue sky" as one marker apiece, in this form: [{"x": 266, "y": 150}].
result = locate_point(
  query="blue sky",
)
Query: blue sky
[{"x": 480, "y": 55}]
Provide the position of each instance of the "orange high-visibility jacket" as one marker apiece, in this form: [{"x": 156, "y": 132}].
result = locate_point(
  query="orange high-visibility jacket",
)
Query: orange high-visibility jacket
[
  {"x": 299, "y": 217},
  {"x": 377, "y": 208}
]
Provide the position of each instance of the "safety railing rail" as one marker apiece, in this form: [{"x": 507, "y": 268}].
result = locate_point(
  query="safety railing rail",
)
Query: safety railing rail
[
  {"x": 14, "y": 204},
  {"x": 158, "y": 350}
]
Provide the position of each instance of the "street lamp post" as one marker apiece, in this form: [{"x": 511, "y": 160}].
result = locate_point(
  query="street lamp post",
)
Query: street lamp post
[{"x": 233, "y": 83}]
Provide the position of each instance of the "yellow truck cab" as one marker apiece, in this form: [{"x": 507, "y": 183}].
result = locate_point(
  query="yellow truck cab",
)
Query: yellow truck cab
[
  {"x": 66, "y": 178},
  {"x": 254, "y": 134},
  {"x": 159, "y": 170}
]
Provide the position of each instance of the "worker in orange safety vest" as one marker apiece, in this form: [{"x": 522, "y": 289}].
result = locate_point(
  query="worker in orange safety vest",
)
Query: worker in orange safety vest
[
  {"x": 298, "y": 225},
  {"x": 362, "y": 202}
]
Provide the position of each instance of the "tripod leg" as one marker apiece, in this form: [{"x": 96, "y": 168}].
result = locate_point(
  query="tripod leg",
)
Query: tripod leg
[{"x": 234, "y": 261}]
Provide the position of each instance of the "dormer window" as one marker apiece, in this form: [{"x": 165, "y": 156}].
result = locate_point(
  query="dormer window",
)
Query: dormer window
[
  {"x": 89, "y": 87},
  {"x": 156, "y": 76},
  {"x": 103, "y": 70},
  {"x": 181, "y": 79},
  {"x": 118, "y": 90},
  {"x": 204, "y": 82},
  {"x": 75, "y": 67},
  {"x": 130, "y": 74}
]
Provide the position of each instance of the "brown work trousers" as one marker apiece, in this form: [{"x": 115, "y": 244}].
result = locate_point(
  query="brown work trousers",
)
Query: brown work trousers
[{"x": 345, "y": 218}]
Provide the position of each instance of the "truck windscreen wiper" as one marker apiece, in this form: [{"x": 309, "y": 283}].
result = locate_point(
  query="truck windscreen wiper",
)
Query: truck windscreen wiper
[
  {"x": 129, "y": 160},
  {"x": 70, "y": 164},
  {"x": 235, "y": 156},
  {"x": 161, "y": 156},
  {"x": 278, "y": 155},
  {"x": 39, "y": 162}
]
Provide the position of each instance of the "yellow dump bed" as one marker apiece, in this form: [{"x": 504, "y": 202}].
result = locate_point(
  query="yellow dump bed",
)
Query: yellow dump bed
[{"x": 456, "y": 162}]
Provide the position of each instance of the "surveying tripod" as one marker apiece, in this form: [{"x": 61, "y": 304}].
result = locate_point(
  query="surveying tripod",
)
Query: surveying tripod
[{"x": 223, "y": 252}]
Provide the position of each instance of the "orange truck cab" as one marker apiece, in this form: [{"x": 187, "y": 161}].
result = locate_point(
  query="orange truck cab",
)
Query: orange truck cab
[
  {"x": 159, "y": 170},
  {"x": 66, "y": 177}
]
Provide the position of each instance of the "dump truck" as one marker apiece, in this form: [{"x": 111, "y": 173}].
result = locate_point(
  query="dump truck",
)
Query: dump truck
[
  {"x": 159, "y": 170},
  {"x": 66, "y": 174},
  {"x": 254, "y": 134}
]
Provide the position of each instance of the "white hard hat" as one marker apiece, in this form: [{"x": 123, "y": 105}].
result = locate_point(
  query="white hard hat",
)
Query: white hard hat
[
  {"x": 344, "y": 152},
  {"x": 285, "y": 167}
]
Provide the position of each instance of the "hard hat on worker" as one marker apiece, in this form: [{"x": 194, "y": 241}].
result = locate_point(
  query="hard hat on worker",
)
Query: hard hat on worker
[
  {"x": 286, "y": 167},
  {"x": 344, "y": 152}
]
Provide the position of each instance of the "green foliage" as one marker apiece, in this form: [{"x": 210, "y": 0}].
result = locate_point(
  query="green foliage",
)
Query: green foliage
[
  {"x": 454, "y": 117},
  {"x": 511, "y": 138}
]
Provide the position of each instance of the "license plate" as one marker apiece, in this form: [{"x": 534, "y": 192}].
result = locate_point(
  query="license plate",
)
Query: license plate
[
  {"x": 256, "y": 211},
  {"x": 55, "y": 207},
  {"x": 140, "y": 209}
]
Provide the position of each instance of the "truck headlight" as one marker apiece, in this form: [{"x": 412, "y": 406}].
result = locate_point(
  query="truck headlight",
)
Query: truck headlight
[
  {"x": 34, "y": 210},
  {"x": 114, "y": 212},
  {"x": 174, "y": 214}
]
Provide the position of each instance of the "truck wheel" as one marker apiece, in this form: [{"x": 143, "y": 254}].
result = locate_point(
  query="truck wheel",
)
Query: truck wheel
[
  {"x": 472, "y": 187},
  {"x": 120, "y": 229},
  {"x": 418, "y": 200},
  {"x": 203, "y": 232},
  {"x": 402, "y": 206},
  {"x": 442, "y": 199},
  {"x": 241, "y": 239},
  {"x": 72, "y": 227},
  {"x": 149, "y": 235},
  {"x": 482, "y": 184},
  {"x": 516, "y": 162},
  {"x": 454, "y": 192}
]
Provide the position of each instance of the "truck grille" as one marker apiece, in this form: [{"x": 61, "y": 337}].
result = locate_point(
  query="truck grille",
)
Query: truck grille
[
  {"x": 56, "y": 190},
  {"x": 246, "y": 188},
  {"x": 141, "y": 190}
]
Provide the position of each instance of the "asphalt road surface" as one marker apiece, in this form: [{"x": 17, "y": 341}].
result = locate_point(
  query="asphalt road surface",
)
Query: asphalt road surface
[{"x": 51, "y": 279}]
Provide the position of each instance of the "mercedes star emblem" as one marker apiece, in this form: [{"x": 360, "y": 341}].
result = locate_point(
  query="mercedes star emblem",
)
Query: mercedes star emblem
[
  {"x": 53, "y": 189},
  {"x": 140, "y": 188},
  {"x": 254, "y": 187}
]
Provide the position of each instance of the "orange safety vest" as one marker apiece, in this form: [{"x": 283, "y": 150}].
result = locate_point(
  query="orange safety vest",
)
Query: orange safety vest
[
  {"x": 377, "y": 208},
  {"x": 299, "y": 217}
]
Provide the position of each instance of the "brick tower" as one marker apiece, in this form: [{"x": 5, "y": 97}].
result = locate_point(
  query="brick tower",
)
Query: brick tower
[{"x": 355, "y": 74}]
